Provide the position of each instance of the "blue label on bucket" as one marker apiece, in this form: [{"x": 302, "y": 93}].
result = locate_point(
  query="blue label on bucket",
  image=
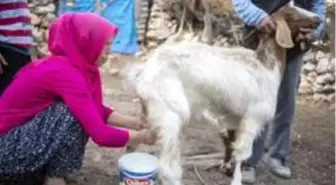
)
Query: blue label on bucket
[{"x": 130, "y": 178}]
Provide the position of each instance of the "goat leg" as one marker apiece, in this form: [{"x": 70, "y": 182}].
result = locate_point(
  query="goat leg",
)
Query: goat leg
[
  {"x": 204, "y": 156},
  {"x": 228, "y": 138}
]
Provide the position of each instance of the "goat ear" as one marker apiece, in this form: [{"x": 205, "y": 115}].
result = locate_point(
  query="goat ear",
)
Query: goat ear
[{"x": 283, "y": 35}]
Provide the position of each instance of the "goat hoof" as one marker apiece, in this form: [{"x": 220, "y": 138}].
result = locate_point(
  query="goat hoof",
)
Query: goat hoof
[
  {"x": 229, "y": 172},
  {"x": 227, "y": 169}
]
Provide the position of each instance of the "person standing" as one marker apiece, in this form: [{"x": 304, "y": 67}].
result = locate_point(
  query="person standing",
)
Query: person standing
[
  {"x": 256, "y": 13},
  {"x": 15, "y": 39}
]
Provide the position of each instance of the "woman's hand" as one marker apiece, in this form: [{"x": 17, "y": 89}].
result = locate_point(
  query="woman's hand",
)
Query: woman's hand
[
  {"x": 137, "y": 123},
  {"x": 144, "y": 136}
]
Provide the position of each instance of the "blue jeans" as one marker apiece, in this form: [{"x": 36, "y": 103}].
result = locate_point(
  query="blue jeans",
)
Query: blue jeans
[{"x": 279, "y": 143}]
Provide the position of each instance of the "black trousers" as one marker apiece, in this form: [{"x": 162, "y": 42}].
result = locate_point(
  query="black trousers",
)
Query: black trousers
[{"x": 16, "y": 58}]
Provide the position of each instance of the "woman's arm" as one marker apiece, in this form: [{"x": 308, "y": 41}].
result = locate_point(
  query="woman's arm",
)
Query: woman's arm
[
  {"x": 76, "y": 95},
  {"x": 121, "y": 120},
  {"x": 106, "y": 112}
]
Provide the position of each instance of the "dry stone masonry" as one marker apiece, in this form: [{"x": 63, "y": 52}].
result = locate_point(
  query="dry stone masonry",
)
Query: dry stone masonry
[
  {"x": 42, "y": 13},
  {"x": 317, "y": 77}
]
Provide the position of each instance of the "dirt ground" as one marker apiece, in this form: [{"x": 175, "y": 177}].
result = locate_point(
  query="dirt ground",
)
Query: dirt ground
[{"x": 312, "y": 160}]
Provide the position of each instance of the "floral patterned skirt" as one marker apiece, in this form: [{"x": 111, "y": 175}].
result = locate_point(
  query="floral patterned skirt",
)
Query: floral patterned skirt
[{"x": 51, "y": 144}]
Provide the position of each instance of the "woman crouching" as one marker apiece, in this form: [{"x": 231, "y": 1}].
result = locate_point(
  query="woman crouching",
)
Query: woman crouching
[{"x": 55, "y": 104}]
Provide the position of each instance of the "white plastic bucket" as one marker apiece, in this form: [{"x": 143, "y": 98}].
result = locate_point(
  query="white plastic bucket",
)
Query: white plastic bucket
[{"x": 138, "y": 169}]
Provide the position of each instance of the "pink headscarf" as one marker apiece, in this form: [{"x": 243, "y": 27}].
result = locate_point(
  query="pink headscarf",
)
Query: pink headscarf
[{"x": 81, "y": 38}]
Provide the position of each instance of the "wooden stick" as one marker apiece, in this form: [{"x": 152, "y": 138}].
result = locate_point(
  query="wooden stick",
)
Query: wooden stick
[
  {"x": 218, "y": 164},
  {"x": 204, "y": 156},
  {"x": 206, "y": 164},
  {"x": 199, "y": 175}
]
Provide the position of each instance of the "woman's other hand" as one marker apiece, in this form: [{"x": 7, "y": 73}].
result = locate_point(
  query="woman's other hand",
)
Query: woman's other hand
[
  {"x": 137, "y": 123},
  {"x": 144, "y": 136}
]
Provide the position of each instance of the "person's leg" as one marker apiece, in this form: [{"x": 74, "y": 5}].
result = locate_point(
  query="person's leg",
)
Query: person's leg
[
  {"x": 280, "y": 137},
  {"x": 279, "y": 146},
  {"x": 70, "y": 154},
  {"x": 51, "y": 143},
  {"x": 249, "y": 166},
  {"x": 16, "y": 58}
]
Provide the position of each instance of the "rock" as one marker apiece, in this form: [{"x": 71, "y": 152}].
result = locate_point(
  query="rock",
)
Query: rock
[
  {"x": 331, "y": 98},
  {"x": 163, "y": 33},
  {"x": 329, "y": 88},
  {"x": 50, "y": 17},
  {"x": 320, "y": 55},
  {"x": 322, "y": 65},
  {"x": 305, "y": 88},
  {"x": 308, "y": 67},
  {"x": 309, "y": 57},
  {"x": 38, "y": 35},
  {"x": 43, "y": 50},
  {"x": 45, "y": 23},
  {"x": 151, "y": 34},
  {"x": 318, "y": 88},
  {"x": 35, "y": 20},
  {"x": 50, "y": 8},
  {"x": 152, "y": 44},
  {"x": 326, "y": 78},
  {"x": 311, "y": 77},
  {"x": 331, "y": 66},
  {"x": 45, "y": 35}
]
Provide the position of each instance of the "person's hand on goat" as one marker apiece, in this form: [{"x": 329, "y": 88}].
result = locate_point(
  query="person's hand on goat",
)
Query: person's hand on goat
[
  {"x": 144, "y": 136},
  {"x": 3, "y": 63},
  {"x": 267, "y": 25}
]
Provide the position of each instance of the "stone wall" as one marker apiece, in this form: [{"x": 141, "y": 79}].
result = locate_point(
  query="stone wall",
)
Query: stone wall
[
  {"x": 42, "y": 13},
  {"x": 318, "y": 77},
  {"x": 318, "y": 74}
]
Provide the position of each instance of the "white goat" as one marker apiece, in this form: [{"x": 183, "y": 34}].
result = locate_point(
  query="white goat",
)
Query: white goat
[{"x": 234, "y": 88}]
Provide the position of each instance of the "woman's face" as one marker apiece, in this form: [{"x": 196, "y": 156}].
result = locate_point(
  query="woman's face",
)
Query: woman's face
[{"x": 105, "y": 53}]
